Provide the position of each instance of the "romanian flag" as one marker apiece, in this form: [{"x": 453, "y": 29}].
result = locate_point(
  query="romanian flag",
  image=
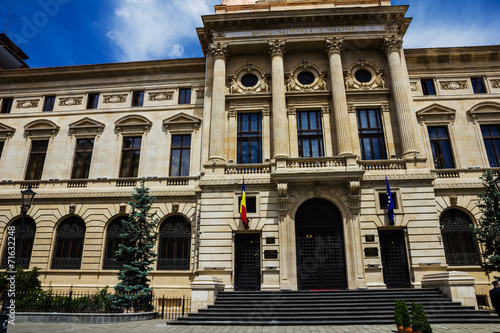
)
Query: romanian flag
[
  {"x": 243, "y": 206},
  {"x": 390, "y": 204}
]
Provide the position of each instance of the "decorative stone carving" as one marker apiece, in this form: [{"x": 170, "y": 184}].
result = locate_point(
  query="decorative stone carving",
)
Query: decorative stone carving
[
  {"x": 485, "y": 112},
  {"x": 6, "y": 132},
  {"x": 266, "y": 110},
  {"x": 200, "y": 94},
  {"x": 291, "y": 111},
  {"x": 123, "y": 206},
  {"x": 351, "y": 108},
  {"x": 86, "y": 127},
  {"x": 333, "y": 45},
  {"x": 72, "y": 208},
  {"x": 453, "y": 85},
  {"x": 453, "y": 200},
  {"x": 175, "y": 207},
  {"x": 219, "y": 50},
  {"x": 70, "y": 101},
  {"x": 436, "y": 113},
  {"x": 393, "y": 43},
  {"x": 385, "y": 107},
  {"x": 277, "y": 47},
  {"x": 354, "y": 196},
  {"x": 27, "y": 103},
  {"x": 133, "y": 124},
  {"x": 231, "y": 112},
  {"x": 216, "y": 34},
  {"x": 41, "y": 128},
  {"x": 293, "y": 82},
  {"x": 413, "y": 86},
  {"x": 181, "y": 122},
  {"x": 236, "y": 86},
  {"x": 317, "y": 190},
  {"x": 161, "y": 96},
  {"x": 282, "y": 189},
  {"x": 374, "y": 76},
  {"x": 495, "y": 83},
  {"x": 325, "y": 109},
  {"x": 113, "y": 99}
]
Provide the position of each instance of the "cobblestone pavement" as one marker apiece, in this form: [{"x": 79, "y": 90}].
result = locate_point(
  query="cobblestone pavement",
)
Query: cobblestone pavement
[{"x": 156, "y": 326}]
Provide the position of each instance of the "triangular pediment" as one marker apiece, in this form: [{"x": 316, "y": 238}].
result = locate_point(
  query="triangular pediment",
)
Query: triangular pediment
[
  {"x": 436, "y": 113},
  {"x": 41, "y": 128},
  {"x": 133, "y": 124},
  {"x": 6, "y": 132},
  {"x": 181, "y": 121},
  {"x": 86, "y": 126}
]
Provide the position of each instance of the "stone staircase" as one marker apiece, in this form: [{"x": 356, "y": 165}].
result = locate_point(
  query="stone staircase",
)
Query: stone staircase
[{"x": 346, "y": 307}]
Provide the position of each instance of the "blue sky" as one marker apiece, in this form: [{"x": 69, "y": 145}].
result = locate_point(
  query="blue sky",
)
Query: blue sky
[{"x": 76, "y": 32}]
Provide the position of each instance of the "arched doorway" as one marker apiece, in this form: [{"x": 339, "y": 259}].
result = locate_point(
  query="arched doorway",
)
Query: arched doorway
[{"x": 320, "y": 246}]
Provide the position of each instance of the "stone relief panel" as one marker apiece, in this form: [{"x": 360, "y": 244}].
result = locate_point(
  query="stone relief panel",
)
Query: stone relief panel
[
  {"x": 161, "y": 96},
  {"x": 27, "y": 103},
  {"x": 248, "y": 79},
  {"x": 495, "y": 83},
  {"x": 70, "y": 101},
  {"x": 306, "y": 77},
  {"x": 114, "y": 99},
  {"x": 364, "y": 75},
  {"x": 453, "y": 85}
]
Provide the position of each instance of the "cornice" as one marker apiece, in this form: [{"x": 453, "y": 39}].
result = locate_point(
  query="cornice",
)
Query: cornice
[{"x": 125, "y": 194}]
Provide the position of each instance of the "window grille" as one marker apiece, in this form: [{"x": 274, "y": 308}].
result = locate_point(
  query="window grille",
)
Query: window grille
[
  {"x": 113, "y": 240},
  {"x": 25, "y": 242},
  {"x": 68, "y": 247},
  {"x": 175, "y": 244}
]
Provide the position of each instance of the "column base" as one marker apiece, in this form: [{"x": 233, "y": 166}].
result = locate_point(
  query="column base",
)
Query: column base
[
  {"x": 204, "y": 289},
  {"x": 459, "y": 286}
]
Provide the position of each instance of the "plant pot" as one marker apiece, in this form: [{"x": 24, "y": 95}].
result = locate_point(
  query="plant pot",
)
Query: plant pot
[
  {"x": 407, "y": 330},
  {"x": 400, "y": 329}
]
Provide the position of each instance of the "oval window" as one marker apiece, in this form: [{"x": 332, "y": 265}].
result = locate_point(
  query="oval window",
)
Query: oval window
[
  {"x": 249, "y": 80},
  {"x": 306, "y": 78},
  {"x": 363, "y": 76}
]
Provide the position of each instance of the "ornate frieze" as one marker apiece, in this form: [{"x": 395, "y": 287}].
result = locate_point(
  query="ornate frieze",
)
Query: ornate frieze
[
  {"x": 27, "y": 103},
  {"x": 219, "y": 50},
  {"x": 277, "y": 47},
  {"x": 161, "y": 96},
  {"x": 364, "y": 75},
  {"x": 453, "y": 85},
  {"x": 495, "y": 83},
  {"x": 333, "y": 45},
  {"x": 113, "y": 99},
  {"x": 393, "y": 43},
  {"x": 306, "y": 77},
  {"x": 70, "y": 101}
]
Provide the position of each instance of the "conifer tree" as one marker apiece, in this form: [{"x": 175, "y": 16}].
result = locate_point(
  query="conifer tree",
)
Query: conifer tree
[
  {"x": 136, "y": 253},
  {"x": 487, "y": 231}
]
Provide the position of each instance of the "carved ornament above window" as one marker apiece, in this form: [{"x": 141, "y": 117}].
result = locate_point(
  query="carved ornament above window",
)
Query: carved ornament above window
[
  {"x": 6, "y": 132},
  {"x": 248, "y": 79},
  {"x": 41, "y": 129},
  {"x": 364, "y": 75},
  {"x": 86, "y": 127},
  {"x": 133, "y": 124},
  {"x": 306, "y": 77}
]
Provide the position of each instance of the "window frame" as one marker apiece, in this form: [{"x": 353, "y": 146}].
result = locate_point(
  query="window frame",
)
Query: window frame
[
  {"x": 108, "y": 262},
  {"x": 85, "y": 168},
  {"x": 48, "y": 103},
  {"x": 250, "y": 136},
  {"x": 92, "y": 101},
  {"x": 7, "y": 105},
  {"x": 432, "y": 145},
  {"x": 184, "y": 96},
  {"x": 38, "y": 167},
  {"x": 371, "y": 133},
  {"x": 61, "y": 241},
  {"x": 478, "y": 86},
  {"x": 309, "y": 134},
  {"x": 130, "y": 151},
  {"x": 137, "y": 98},
  {"x": 182, "y": 155},
  {"x": 425, "y": 87},
  {"x": 163, "y": 238},
  {"x": 25, "y": 244}
]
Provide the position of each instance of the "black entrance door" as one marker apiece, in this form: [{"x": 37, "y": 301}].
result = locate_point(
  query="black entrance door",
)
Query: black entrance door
[
  {"x": 394, "y": 259},
  {"x": 320, "y": 246},
  {"x": 247, "y": 262}
]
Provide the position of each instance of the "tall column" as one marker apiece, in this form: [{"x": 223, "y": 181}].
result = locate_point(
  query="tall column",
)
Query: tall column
[
  {"x": 280, "y": 123},
  {"x": 217, "y": 124},
  {"x": 402, "y": 97},
  {"x": 332, "y": 48}
]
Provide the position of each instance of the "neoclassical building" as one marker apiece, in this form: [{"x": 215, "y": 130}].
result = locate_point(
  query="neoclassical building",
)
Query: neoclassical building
[{"x": 313, "y": 104}]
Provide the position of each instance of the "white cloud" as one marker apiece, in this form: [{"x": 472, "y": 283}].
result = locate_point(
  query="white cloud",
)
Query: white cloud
[{"x": 156, "y": 29}]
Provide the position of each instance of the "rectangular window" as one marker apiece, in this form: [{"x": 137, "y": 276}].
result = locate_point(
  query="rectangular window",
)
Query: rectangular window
[
  {"x": 382, "y": 197},
  {"x": 48, "y": 105},
  {"x": 137, "y": 98},
  {"x": 83, "y": 157},
  {"x": 7, "y": 105},
  {"x": 251, "y": 204},
  {"x": 131, "y": 153},
  {"x": 2, "y": 143},
  {"x": 371, "y": 135},
  {"x": 441, "y": 148},
  {"x": 477, "y": 85},
  {"x": 491, "y": 137},
  {"x": 180, "y": 155},
  {"x": 310, "y": 134},
  {"x": 92, "y": 101},
  {"x": 185, "y": 96},
  {"x": 249, "y": 138},
  {"x": 36, "y": 160},
  {"x": 428, "y": 86}
]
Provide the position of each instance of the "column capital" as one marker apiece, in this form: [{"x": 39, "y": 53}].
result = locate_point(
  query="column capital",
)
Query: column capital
[
  {"x": 393, "y": 43},
  {"x": 333, "y": 45},
  {"x": 266, "y": 110},
  {"x": 219, "y": 51},
  {"x": 291, "y": 111},
  {"x": 277, "y": 47}
]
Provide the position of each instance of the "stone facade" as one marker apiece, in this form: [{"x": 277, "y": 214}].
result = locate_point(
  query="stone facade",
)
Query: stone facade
[{"x": 281, "y": 61}]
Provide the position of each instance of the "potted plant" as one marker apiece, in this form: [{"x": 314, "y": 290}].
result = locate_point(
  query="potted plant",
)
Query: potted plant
[
  {"x": 398, "y": 315},
  {"x": 420, "y": 323},
  {"x": 406, "y": 318}
]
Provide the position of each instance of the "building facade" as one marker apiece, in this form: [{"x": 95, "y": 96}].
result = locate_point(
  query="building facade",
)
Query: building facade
[{"x": 313, "y": 104}]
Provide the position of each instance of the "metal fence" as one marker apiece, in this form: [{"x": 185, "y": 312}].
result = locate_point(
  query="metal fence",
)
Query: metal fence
[{"x": 166, "y": 307}]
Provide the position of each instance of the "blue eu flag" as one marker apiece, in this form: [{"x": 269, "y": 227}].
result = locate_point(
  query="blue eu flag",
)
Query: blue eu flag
[{"x": 390, "y": 204}]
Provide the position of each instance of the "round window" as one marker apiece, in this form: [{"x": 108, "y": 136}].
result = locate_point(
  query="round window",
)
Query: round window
[
  {"x": 306, "y": 78},
  {"x": 363, "y": 76},
  {"x": 249, "y": 80}
]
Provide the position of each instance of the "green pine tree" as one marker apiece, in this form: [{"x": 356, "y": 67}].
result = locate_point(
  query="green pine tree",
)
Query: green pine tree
[
  {"x": 487, "y": 231},
  {"x": 136, "y": 253}
]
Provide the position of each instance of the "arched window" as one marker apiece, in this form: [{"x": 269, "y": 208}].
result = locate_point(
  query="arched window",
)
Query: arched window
[
  {"x": 113, "y": 239},
  {"x": 459, "y": 244},
  {"x": 69, "y": 244},
  {"x": 27, "y": 237},
  {"x": 175, "y": 244}
]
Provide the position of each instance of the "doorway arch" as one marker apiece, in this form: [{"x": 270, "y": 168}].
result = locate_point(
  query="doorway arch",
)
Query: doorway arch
[{"x": 319, "y": 238}]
